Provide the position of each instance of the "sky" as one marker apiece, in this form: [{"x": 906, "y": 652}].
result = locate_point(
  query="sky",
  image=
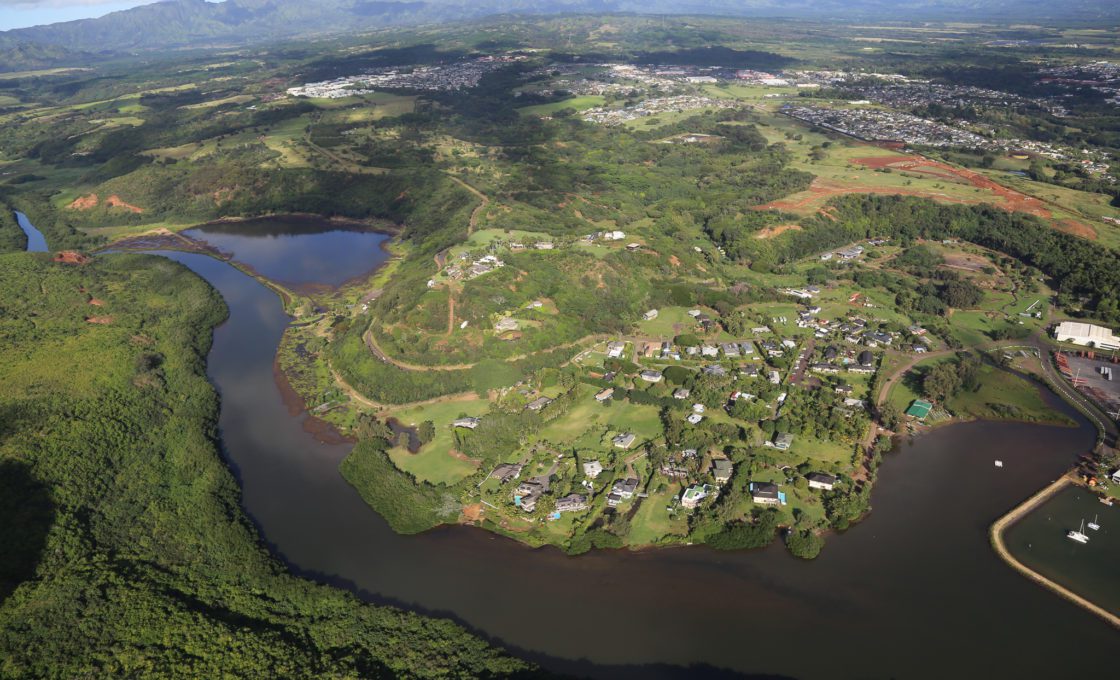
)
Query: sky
[{"x": 20, "y": 13}]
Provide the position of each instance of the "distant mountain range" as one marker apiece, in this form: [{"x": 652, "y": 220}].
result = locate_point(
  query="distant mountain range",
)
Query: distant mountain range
[{"x": 176, "y": 23}]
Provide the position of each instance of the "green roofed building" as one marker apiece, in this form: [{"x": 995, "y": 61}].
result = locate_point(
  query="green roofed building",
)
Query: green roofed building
[{"x": 919, "y": 409}]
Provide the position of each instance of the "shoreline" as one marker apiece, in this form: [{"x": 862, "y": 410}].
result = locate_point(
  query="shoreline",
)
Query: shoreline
[{"x": 1016, "y": 514}]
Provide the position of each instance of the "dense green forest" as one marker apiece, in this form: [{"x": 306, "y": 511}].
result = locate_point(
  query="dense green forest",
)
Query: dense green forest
[
  {"x": 125, "y": 550},
  {"x": 11, "y": 236}
]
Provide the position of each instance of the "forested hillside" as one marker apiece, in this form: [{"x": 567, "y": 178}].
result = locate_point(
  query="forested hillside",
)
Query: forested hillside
[{"x": 125, "y": 552}]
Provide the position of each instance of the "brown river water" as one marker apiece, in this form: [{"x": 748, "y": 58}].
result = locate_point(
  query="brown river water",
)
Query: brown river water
[{"x": 914, "y": 591}]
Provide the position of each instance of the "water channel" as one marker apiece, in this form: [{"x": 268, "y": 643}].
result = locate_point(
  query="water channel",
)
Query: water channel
[{"x": 914, "y": 591}]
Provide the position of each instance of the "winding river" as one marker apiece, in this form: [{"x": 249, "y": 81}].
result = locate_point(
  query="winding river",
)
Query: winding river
[
  {"x": 914, "y": 591},
  {"x": 36, "y": 243}
]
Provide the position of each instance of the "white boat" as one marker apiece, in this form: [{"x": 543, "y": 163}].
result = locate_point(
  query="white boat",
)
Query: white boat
[
  {"x": 1078, "y": 535},
  {"x": 1093, "y": 525}
]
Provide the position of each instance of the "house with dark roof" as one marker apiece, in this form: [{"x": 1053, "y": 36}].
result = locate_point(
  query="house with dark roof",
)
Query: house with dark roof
[
  {"x": 765, "y": 493},
  {"x": 819, "y": 480}
]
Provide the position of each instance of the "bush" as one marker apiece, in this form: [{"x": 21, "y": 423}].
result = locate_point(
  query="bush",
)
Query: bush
[{"x": 804, "y": 543}]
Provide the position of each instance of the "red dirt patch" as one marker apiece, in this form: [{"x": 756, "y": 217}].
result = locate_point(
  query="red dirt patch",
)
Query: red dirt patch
[
  {"x": 83, "y": 202},
  {"x": 96, "y": 302},
  {"x": 778, "y": 230},
  {"x": 70, "y": 257},
  {"x": 471, "y": 513},
  {"x": 103, "y": 320},
  {"x": 115, "y": 201},
  {"x": 674, "y": 260},
  {"x": 1077, "y": 229},
  {"x": 459, "y": 455},
  {"x": 1012, "y": 200}
]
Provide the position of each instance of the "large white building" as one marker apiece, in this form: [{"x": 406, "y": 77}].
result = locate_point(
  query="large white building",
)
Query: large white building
[{"x": 1086, "y": 334}]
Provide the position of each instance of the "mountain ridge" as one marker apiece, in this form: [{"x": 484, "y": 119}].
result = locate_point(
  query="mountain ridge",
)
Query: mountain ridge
[{"x": 178, "y": 23}]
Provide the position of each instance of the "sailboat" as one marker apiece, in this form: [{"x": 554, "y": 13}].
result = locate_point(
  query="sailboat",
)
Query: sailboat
[
  {"x": 1078, "y": 535},
  {"x": 1093, "y": 525}
]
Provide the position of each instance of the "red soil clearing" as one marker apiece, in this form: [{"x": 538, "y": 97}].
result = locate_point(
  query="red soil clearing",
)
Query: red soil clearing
[
  {"x": 771, "y": 232},
  {"x": 1078, "y": 229},
  {"x": 115, "y": 201},
  {"x": 104, "y": 320},
  {"x": 96, "y": 303},
  {"x": 1012, "y": 200},
  {"x": 71, "y": 257},
  {"x": 91, "y": 201},
  {"x": 83, "y": 202}
]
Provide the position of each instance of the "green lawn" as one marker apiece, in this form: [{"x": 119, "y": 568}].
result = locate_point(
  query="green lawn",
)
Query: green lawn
[
  {"x": 577, "y": 103},
  {"x": 434, "y": 463},
  {"x": 1004, "y": 395}
]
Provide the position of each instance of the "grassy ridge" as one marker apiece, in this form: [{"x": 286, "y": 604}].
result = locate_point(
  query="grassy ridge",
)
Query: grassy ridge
[{"x": 131, "y": 555}]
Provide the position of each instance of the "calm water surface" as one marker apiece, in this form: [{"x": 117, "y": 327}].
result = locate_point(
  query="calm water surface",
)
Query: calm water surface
[
  {"x": 297, "y": 250},
  {"x": 912, "y": 592},
  {"x": 1092, "y": 569},
  {"x": 36, "y": 242}
]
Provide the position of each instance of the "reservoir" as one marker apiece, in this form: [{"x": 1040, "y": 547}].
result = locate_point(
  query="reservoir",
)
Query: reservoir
[
  {"x": 1039, "y": 541},
  {"x": 298, "y": 250},
  {"x": 914, "y": 591},
  {"x": 36, "y": 242}
]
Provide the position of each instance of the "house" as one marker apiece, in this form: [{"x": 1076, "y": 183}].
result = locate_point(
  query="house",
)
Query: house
[
  {"x": 866, "y": 359},
  {"x": 650, "y": 315},
  {"x": 781, "y": 441},
  {"x": 604, "y": 394},
  {"x": 506, "y": 471},
  {"x": 529, "y": 488},
  {"x": 842, "y": 388},
  {"x": 709, "y": 351},
  {"x": 613, "y": 500},
  {"x": 694, "y": 495},
  {"x": 775, "y": 378},
  {"x": 526, "y": 503},
  {"x": 614, "y": 235},
  {"x": 746, "y": 349},
  {"x": 544, "y": 245},
  {"x": 538, "y": 403},
  {"x": 573, "y": 502},
  {"x": 469, "y": 423},
  {"x": 749, "y": 371},
  {"x": 624, "y": 440},
  {"x": 730, "y": 350},
  {"x": 689, "y": 453},
  {"x": 1116, "y": 476},
  {"x": 819, "y": 480},
  {"x": 681, "y": 393},
  {"x": 650, "y": 375},
  {"x": 673, "y": 470},
  {"x": 625, "y": 488},
  {"x": 714, "y": 369},
  {"x": 765, "y": 493},
  {"x": 694, "y": 418},
  {"x": 592, "y": 468},
  {"x": 505, "y": 324},
  {"x": 633, "y": 247},
  {"x": 830, "y": 353},
  {"x": 1086, "y": 334},
  {"x": 615, "y": 349},
  {"x": 722, "y": 469},
  {"x": 824, "y": 368}
]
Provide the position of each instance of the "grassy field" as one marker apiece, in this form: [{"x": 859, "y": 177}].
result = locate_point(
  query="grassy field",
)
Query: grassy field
[
  {"x": 670, "y": 321},
  {"x": 577, "y": 103},
  {"x": 1004, "y": 395},
  {"x": 435, "y": 463}
]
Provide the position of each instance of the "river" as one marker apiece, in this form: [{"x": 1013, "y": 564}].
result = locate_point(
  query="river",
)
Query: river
[
  {"x": 914, "y": 591},
  {"x": 36, "y": 242}
]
